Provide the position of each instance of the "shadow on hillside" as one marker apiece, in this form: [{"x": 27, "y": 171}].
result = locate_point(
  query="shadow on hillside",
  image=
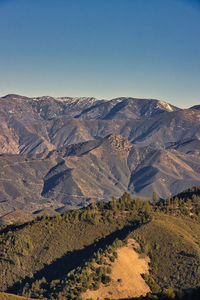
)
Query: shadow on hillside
[
  {"x": 61, "y": 266},
  {"x": 13, "y": 227}
]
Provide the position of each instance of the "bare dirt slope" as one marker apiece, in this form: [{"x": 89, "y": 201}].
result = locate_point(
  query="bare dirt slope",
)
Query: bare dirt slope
[{"x": 126, "y": 279}]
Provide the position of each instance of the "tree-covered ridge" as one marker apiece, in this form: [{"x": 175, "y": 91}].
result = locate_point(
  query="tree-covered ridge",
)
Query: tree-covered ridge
[
  {"x": 64, "y": 255},
  {"x": 186, "y": 203}
]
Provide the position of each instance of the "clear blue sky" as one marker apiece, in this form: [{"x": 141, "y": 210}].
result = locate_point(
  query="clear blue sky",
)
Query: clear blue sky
[{"x": 101, "y": 48}]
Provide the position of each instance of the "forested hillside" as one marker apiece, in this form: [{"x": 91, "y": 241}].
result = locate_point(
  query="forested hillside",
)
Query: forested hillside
[{"x": 69, "y": 254}]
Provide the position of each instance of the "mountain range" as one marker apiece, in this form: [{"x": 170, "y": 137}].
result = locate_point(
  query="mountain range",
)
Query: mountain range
[{"x": 62, "y": 153}]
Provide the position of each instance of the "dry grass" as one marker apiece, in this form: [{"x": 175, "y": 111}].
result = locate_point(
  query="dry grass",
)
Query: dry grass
[{"x": 126, "y": 279}]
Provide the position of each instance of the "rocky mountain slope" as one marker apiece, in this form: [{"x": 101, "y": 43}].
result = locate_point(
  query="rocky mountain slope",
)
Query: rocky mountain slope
[
  {"x": 75, "y": 175},
  {"x": 36, "y": 125},
  {"x": 19, "y": 136},
  {"x": 47, "y": 108},
  {"x": 60, "y": 153}
]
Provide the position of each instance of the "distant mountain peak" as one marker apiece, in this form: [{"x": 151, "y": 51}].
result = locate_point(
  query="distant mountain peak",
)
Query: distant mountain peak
[
  {"x": 166, "y": 105},
  {"x": 92, "y": 99},
  {"x": 197, "y": 107},
  {"x": 14, "y": 97}
]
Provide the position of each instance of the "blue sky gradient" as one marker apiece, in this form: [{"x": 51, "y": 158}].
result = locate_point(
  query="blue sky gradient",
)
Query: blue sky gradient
[{"x": 101, "y": 48}]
